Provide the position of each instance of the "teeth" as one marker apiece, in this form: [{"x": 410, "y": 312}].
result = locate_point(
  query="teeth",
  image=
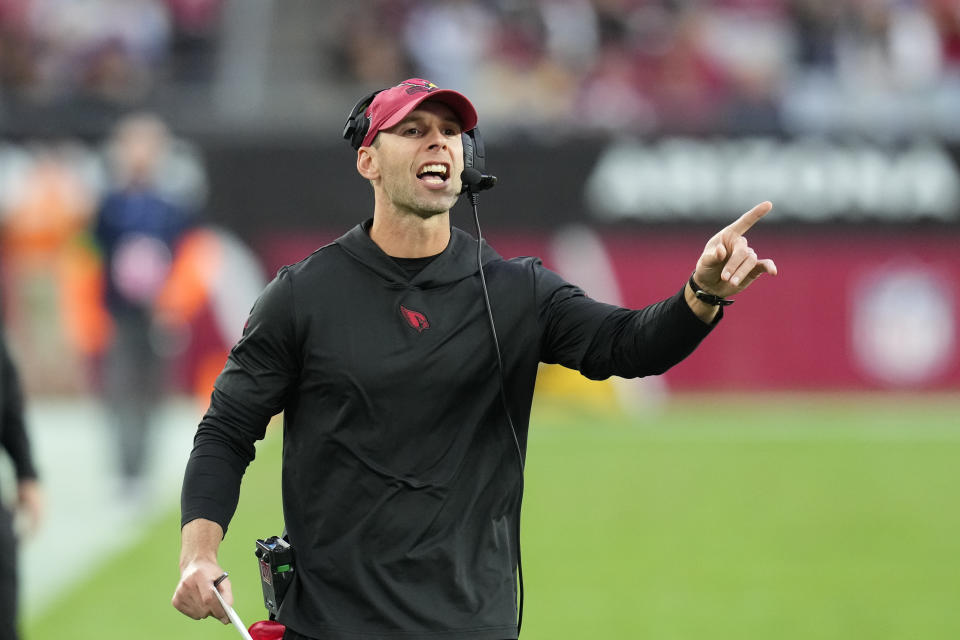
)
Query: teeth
[{"x": 433, "y": 168}]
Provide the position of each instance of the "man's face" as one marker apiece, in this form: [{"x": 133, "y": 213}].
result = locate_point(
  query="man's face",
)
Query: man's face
[{"x": 421, "y": 159}]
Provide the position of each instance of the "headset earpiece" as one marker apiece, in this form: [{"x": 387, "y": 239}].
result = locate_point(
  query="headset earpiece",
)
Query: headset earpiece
[
  {"x": 475, "y": 158},
  {"x": 474, "y": 154},
  {"x": 357, "y": 124}
]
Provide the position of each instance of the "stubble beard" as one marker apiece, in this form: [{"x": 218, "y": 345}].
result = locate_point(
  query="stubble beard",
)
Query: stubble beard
[{"x": 404, "y": 198}]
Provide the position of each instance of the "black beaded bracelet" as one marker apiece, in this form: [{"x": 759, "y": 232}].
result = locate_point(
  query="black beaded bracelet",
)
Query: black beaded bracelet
[{"x": 708, "y": 298}]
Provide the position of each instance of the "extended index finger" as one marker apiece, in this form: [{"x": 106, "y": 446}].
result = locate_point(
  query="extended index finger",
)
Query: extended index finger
[{"x": 742, "y": 224}]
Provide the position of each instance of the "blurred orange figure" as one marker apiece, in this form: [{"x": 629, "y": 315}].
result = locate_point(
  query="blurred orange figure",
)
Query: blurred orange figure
[{"x": 46, "y": 204}]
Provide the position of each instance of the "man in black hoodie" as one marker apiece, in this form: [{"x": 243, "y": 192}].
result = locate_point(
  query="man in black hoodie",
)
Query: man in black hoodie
[{"x": 402, "y": 452}]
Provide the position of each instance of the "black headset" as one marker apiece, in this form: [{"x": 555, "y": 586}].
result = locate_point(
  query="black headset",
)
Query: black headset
[{"x": 474, "y": 153}]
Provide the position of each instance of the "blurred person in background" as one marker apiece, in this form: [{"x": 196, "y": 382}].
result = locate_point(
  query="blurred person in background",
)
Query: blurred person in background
[
  {"x": 404, "y": 446},
  {"x": 45, "y": 201},
  {"x": 137, "y": 229},
  {"x": 29, "y": 496}
]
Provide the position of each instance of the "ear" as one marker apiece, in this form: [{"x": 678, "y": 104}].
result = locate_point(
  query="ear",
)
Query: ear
[{"x": 367, "y": 165}]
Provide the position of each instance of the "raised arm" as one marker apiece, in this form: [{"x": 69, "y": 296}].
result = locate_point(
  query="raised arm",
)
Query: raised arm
[{"x": 728, "y": 264}]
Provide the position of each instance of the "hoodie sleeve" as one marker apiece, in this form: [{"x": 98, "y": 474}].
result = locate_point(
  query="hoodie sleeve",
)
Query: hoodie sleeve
[
  {"x": 260, "y": 372},
  {"x": 601, "y": 340},
  {"x": 643, "y": 342}
]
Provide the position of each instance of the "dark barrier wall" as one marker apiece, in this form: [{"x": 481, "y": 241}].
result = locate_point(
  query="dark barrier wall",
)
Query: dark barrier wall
[
  {"x": 306, "y": 186},
  {"x": 621, "y": 183}
]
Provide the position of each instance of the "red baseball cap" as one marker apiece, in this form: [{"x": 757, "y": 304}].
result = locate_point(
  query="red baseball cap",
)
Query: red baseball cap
[{"x": 392, "y": 105}]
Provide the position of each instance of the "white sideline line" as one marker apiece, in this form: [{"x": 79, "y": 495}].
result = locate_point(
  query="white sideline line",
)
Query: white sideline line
[{"x": 86, "y": 519}]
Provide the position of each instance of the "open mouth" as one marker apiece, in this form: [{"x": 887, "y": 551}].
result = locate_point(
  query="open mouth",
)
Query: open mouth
[{"x": 434, "y": 173}]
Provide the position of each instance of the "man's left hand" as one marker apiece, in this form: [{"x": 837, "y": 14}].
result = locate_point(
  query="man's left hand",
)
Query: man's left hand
[{"x": 728, "y": 264}]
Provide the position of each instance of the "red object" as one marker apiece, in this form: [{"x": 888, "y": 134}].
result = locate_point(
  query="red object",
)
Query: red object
[
  {"x": 392, "y": 105},
  {"x": 267, "y": 630}
]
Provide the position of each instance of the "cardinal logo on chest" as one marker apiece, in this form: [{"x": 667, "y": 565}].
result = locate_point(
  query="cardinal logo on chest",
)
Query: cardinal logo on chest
[{"x": 415, "y": 319}]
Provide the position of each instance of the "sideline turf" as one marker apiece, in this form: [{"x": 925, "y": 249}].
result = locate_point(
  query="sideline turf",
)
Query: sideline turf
[{"x": 793, "y": 516}]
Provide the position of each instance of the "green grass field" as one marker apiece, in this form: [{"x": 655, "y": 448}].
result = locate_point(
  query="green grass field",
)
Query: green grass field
[{"x": 787, "y": 516}]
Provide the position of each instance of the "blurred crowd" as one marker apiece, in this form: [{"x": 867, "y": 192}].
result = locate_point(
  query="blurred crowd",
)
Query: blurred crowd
[
  {"x": 96, "y": 57},
  {"x": 676, "y": 66},
  {"x": 679, "y": 66}
]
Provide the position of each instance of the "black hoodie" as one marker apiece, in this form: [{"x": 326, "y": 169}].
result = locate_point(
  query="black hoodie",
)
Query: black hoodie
[{"x": 401, "y": 478}]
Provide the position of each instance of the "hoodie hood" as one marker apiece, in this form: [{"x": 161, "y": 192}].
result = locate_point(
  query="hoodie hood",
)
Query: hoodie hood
[{"x": 456, "y": 262}]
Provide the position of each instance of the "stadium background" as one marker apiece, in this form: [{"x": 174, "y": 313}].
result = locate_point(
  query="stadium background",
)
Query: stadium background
[{"x": 795, "y": 476}]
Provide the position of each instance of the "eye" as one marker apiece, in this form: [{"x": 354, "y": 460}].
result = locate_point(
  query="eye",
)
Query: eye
[{"x": 411, "y": 131}]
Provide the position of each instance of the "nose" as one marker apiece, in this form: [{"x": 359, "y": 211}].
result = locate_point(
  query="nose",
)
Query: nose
[{"x": 437, "y": 138}]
